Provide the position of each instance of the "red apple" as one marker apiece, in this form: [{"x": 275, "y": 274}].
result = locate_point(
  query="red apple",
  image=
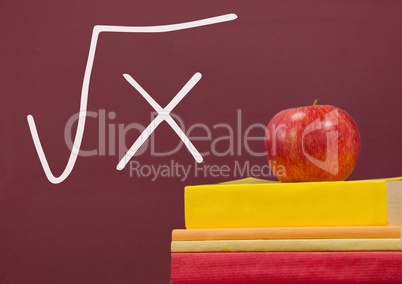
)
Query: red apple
[{"x": 312, "y": 143}]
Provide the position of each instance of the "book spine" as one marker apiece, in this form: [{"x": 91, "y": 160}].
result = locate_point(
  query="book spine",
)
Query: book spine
[
  {"x": 380, "y": 244},
  {"x": 283, "y": 267},
  {"x": 395, "y": 202}
]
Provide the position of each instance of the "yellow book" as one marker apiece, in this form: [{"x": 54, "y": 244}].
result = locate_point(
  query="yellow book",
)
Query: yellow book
[
  {"x": 380, "y": 244},
  {"x": 253, "y": 203}
]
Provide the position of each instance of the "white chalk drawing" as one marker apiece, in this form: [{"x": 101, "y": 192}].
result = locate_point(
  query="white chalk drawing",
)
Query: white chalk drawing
[{"x": 163, "y": 113}]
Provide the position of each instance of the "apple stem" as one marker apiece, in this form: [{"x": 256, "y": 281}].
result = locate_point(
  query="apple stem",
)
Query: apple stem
[{"x": 315, "y": 102}]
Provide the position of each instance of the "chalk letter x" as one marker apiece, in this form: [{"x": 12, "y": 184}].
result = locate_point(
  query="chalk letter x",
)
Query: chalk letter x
[{"x": 163, "y": 115}]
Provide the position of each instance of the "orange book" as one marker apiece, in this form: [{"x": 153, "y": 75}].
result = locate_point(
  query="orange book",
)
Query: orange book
[{"x": 287, "y": 233}]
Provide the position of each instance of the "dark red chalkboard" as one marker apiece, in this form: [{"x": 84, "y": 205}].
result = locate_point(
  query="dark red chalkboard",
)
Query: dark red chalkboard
[{"x": 102, "y": 225}]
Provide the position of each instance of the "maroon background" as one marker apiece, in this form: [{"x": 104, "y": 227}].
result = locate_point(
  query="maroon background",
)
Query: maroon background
[{"x": 103, "y": 226}]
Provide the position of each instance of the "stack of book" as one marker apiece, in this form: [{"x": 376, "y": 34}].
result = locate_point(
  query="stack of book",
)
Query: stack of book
[{"x": 256, "y": 231}]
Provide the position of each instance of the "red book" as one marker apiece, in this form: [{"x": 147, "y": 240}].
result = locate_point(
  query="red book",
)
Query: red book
[{"x": 286, "y": 267}]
